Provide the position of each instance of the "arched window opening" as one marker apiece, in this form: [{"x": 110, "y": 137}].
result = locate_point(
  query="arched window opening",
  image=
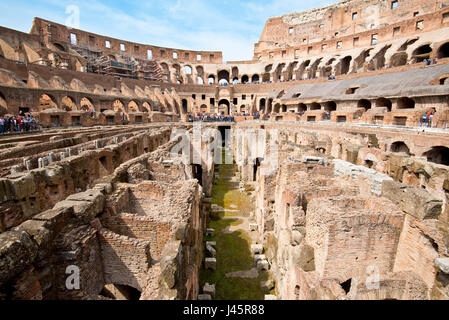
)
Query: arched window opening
[
  {"x": 422, "y": 53},
  {"x": 255, "y": 78},
  {"x": 384, "y": 103},
  {"x": 211, "y": 80},
  {"x": 438, "y": 155},
  {"x": 400, "y": 147},
  {"x": 184, "y": 106},
  {"x": 188, "y": 70},
  {"x": 68, "y": 104},
  {"x": 443, "y": 52},
  {"x": 262, "y": 104},
  {"x": 47, "y": 102},
  {"x": 366, "y": 104},
  {"x": 406, "y": 103},
  {"x": 245, "y": 79},
  {"x": 315, "y": 106}
]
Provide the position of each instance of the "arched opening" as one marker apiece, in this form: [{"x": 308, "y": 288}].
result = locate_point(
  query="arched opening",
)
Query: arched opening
[
  {"x": 211, "y": 79},
  {"x": 235, "y": 81},
  {"x": 422, "y": 53},
  {"x": 3, "y": 105},
  {"x": 284, "y": 108},
  {"x": 378, "y": 61},
  {"x": 302, "y": 108},
  {"x": 270, "y": 106},
  {"x": 291, "y": 68},
  {"x": 118, "y": 106},
  {"x": 269, "y": 68},
  {"x": 262, "y": 104},
  {"x": 443, "y": 51},
  {"x": 438, "y": 155},
  {"x": 47, "y": 102},
  {"x": 146, "y": 107},
  {"x": 400, "y": 147},
  {"x": 224, "y": 107},
  {"x": 235, "y": 72},
  {"x": 165, "y": 72},
  {"x": 366, "y": 104},
  {"x": 315, "y": 106},
  {"x": 86, "y": 104},
  {"x": 278, "y": 73},
  {"x": 245, "y": 79},
  {"x": 120, "y": 292},
  {"x": 184, "y": 106},
  {"x": 266, "y": 77},
  {"x": 188, "y": 70},
  {"x": 223, "y": 77},
  {"x": 277, "y": 108},
  {"x": 345, "y": 64},
  {"x": 133, "y": 107},
  {"x": 407, "y": 44},
  {"x": 200, "y": 80},
  {"x": 384, "y": 103},
  {"x": 399, "y": 59},
  {"x": 302, "y": 68},
  {"x": 255, "y": 78},
  {"x": 330, "y": 106},
  {"x": 200, "y": 70},
  {"x": 406, "y": 103},
  {"x": 59, "y": 47},
  {"x": 68, "y": 104}
]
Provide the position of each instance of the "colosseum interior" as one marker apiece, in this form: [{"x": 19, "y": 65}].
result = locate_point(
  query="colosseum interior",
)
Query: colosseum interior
[{"x": 336, "y": 188}]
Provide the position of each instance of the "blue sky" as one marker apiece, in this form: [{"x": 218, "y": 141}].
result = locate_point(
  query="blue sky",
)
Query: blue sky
[{"x": 230, "y": 26}]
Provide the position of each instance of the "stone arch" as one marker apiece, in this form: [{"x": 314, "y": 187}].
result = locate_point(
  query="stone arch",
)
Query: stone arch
[
  {"x": 438, "y": 155},
  {"x": 399, "y": 59},
  {"x": 255, "y": 78},
  {"x": 146, "y": 107},
  {"x": 378, "y": 61},
  {"x": 245, "y": 79},
  {"x": 330, "y": 106},
  {"x": 290, "y": 73},
  {"x": 421, "y": 53},
  {"x": 86, "y": 104},
  {"x": 118, "y": 106},
  {"x": 3, "y": 105},
  {"x": 443, "y": 51},
  {"x": 406, "y": 103},
  {"x": 185, "y": 105},
  {"x": 270, "y": 105},
  {"x": 277, "y": 108},
  {"x": 200, "y": 80},
  {"x": 59, "y": 47},
  {"x": 314, "y": 68},
  {"x": 200, "y": 70},
  {"x": 315, "y": 106},
  {"x": 366, "y": 104},
  {"x": 345, "y": 64},
  {"x": 384, "y": 103},
  {"x": 224, "y": 106},
  {"x": 188, "y": 69},
  {"x": 235, "y": 72},
  {"x": 223, "y": 76},
  {"x": 278, "y": 72},
  {"x": 302, "y": 68},
  {"x": 46, "y": 101},
  {"x": 133, "y": 106},
  {"x": 262, "y": 104},
  {"x": 165, "y": 72},
  {"x": 302, "y": 108},
  {"x": 400, "y": 147},
  {"x": 211, "y": 79},
  {"x": 68, "y": 104}
]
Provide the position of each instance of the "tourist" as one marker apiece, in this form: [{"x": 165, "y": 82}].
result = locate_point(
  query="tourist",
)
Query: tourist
[
  {"x": 424, "y": 119},
  {"x": 2, "y": 124}
]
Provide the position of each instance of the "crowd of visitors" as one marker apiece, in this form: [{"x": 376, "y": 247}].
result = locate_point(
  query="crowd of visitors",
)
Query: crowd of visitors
[
  {"x": 427, "y": 120},
  {"x": 210, "y": 118},
  {"x": 23, "y": 123}
]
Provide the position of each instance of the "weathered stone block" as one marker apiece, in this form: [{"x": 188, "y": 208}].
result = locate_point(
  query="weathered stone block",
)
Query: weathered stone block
[
  {"x": 443, "y": 264},
  {"x": 415, "y": 201},
  {"x": 257, "y": 249},
  {"x": 209, "y": 289},
  {"x": 263, "y": 265},
  {"x": 267, "y": 286},
  {"x": 204, "y": 297},
  {"x": 210, "y": 263},
  {"x": 17, "y": 251}
]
